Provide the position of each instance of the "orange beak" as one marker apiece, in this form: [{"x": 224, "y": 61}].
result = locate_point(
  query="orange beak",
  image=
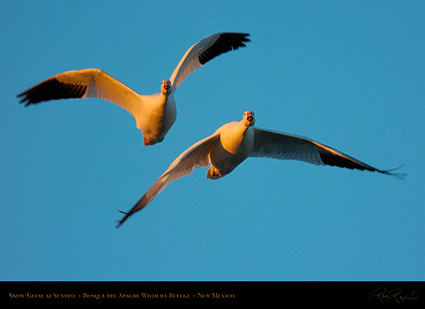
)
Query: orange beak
[
  {"x": 249, "y": 116},
  {"x": 166, "y": 86}
]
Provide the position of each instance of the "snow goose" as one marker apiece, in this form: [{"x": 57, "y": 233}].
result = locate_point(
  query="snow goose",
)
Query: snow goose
[
  {"x": 155, "y": 114},
  {"x": 235, "y": 141}
]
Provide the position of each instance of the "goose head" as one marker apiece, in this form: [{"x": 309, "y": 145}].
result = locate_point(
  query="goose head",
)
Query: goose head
[
  {"x": 166, "y": 87},
  {"x": 248, "y": 118}
]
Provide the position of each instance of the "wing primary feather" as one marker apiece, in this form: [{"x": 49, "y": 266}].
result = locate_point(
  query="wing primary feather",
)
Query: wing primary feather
[
  {"x": 51, "y": 89},
  {"x": 291, "y": 147},
  {"x": 335, "y": 158},
  {"x": 145, "y": 200},
  {"x": 205, "y": 50},
  {"x": 390, "y": 172},
  {"x": 226, "y": 42}
]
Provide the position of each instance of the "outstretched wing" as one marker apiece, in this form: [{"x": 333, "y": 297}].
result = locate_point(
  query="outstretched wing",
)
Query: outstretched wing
[
  {"x": 93, "y": 83},
  {"x": 205, "y": 50},
  {"x": 197, "y": 155},
  {"x": 291, "y": 147}
]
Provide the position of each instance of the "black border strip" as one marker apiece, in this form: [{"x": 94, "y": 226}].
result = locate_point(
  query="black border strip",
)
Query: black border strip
[{"x": 216, "y": 292}]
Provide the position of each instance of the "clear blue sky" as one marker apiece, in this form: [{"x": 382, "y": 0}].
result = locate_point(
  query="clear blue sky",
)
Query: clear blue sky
[{"x": 349, "y": 74}]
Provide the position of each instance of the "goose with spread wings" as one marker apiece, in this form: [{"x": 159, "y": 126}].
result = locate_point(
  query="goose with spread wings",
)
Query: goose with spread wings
[
  {"x": 235, "y": 141},
  {"x": 155, "y": 114}
]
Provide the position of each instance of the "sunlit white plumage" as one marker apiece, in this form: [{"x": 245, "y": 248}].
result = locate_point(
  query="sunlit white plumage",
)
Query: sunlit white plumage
[
  {"x": 234, "y": 142},
  {"x": 155, "y": 114}
]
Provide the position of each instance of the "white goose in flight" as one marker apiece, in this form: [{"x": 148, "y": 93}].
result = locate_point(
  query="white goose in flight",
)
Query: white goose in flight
[
  {"x": 235, "y": 141},
  {"x": 155, "y": 114}
]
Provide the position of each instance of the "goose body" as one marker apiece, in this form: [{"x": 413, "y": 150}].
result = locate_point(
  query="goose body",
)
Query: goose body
[
  {"x": 154, "y": 114},
  {"x": 234, "y": 142}
]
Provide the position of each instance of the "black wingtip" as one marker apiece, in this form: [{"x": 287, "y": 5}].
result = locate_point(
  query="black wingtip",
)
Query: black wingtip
[
  {"x": 120, "y": 222},
  {"x": 23, "y": 98},
  {"x": 226, "y": 41},
  {"x": 390, "y": 172},
  {"x": 52, "y": 89},
  {"x": 244, "y": 36},
  {"x": 146, "y": 199}
]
